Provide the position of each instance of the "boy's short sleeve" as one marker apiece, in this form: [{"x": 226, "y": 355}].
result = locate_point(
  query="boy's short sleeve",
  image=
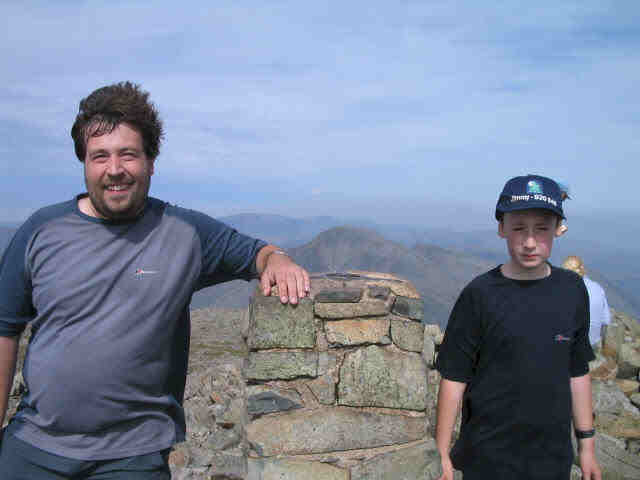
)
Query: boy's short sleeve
[
  {"x": 458, "y": 352},
  {"x": 581, "y": 351}
]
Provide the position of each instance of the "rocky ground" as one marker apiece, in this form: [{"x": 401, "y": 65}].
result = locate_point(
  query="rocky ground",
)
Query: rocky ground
[{"x": 217, "y": 413}]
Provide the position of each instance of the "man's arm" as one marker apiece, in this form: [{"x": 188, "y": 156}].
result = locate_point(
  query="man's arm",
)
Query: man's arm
[
  {"x": 449, "y": 400},
  {"x": 583, "y": 420},
  {"x": 8, "y": 357},
  {"x": 275, "y": 267}
]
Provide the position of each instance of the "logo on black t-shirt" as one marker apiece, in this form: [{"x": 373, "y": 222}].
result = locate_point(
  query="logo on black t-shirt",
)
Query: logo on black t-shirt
[{"x": 562, "y": 338}]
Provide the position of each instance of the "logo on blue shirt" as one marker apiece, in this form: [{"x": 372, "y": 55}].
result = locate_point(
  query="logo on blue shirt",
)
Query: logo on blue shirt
[{"x": 140, "y": 272}]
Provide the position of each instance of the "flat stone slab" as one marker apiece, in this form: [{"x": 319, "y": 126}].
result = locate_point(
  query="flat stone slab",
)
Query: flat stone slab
[
  {"x": 358, "y": 332},
  {"x": 364, "y": 308},
  {"x": 397, "y": 285},
  {"x": 378, "y": 291},
  {"x": 281, "y": 365},
  {"x": 323, "y": 389},
  {"x": 290, "y": 469},
  {"x": 409, "y": 307},
  {"x": 339, "y": 295},
  {"x": 274, "y": 325},
  {"x": 269, "y": 402},
  {"x": 378, "y": 377},
  {"x": 420, "y": 461},
  {"x": 407, "y": 334},
  {"x": 619, "y": 426},
  {"x": 608, "y": 398},
  {"x": 303, "y": 432}
]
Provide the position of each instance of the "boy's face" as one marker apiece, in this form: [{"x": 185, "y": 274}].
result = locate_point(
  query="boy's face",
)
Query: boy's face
[{"x": 529, "y": 235}]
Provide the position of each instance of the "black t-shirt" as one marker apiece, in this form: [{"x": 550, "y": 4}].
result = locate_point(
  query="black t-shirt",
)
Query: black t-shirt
[{"x": 517, "y": 343}]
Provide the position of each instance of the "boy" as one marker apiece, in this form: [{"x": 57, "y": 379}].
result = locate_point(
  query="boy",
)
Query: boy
[{"x": 516, "y": 353}]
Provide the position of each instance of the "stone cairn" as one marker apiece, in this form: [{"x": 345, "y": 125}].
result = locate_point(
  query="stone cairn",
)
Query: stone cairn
[{"x": 341, "y": 386}]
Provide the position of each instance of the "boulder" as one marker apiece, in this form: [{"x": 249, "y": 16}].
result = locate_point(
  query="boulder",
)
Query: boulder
[
  {"x": 412, "y": 308},
  {"x": 364, "y": 308},
  {"x": 612, "y": 338},
  {"x": 615, "y": 462},
  {"x": 274, "y": 325},
  {"x": 281, "y": 365},
  {"x": 608, "y": 398},
  {"x": 358, "y": 332},
  {"x": 365, "y": 379},
  {"x": 628, "y": 360},
  {"x": 339, "y": 295},
  {"x": 419, "y": 461},
  {"x": 292, "y": 469},
  {"x": 263, "y": 400},
  {"x": 407, "y": 334},
  {"x": 303, "y": 432}
]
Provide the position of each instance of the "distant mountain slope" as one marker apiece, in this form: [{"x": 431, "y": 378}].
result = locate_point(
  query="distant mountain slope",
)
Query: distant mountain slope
[
  {"x": 389, "y": 248},
  {"x": 595, "y": 239},
  {"x": 6, "y": 234},
  {"x": 283, "y": 231},
  {"x": 438, "y": 274}
]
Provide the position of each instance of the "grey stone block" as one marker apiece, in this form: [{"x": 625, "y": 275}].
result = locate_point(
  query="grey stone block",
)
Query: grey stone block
[
  {"x": 339, "y": 295},
  {"x": 281, "y": 365},
  {"x": 420, "y": 461},
  {"x": 364, "y": 308},
  {"x": 628, "y": 361},
  {"x": 409, "y": 307},
  {"x": 376, "y": 377},
  {"x": 358, "y": 332},
  {"x": 379, "y": 292},
  {"x": 269, "y": 402},
  {"x": 407, "y": 334},
  {"x": 303, "y": 432},
  {"x": 274, "y": 325},
  {"x": 292, "y": 469},
  {"x": 324, "y": 389}
]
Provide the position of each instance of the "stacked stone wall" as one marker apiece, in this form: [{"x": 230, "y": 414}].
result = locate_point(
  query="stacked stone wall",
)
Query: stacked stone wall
[{"x": 341, "y": 386}]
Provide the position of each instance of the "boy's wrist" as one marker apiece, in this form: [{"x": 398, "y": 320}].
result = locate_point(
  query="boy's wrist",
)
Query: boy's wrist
[
  {"x": 584, "y": 434},
  {"x": 586, "y": 445}
]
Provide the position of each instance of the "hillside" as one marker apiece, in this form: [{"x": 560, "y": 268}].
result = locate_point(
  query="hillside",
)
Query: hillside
[
  {"x": 438, "y": 262},
  {"x": 438, "y": 274},
  {"x": 6, "y": 234}
]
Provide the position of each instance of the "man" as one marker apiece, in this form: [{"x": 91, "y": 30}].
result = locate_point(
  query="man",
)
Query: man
[
  {"x": 598, "y": 307},
  {"x": 105, "y": 281}
]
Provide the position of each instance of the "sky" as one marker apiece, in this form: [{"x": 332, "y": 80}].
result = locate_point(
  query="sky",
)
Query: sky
[{"x": 401, "y": 112}]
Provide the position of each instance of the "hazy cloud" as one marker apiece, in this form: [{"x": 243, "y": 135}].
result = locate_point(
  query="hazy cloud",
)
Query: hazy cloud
[{"x": 275, "y": 105}]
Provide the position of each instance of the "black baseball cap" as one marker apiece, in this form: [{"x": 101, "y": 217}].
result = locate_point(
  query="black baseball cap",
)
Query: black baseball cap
[{"x": 530, "y": 191}]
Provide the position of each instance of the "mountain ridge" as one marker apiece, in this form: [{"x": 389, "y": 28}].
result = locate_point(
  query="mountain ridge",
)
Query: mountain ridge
[{"x": 419, "y": 255}]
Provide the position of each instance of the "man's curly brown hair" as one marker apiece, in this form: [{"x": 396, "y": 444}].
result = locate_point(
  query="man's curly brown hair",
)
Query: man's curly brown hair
[{"x": 107, "y": 107}]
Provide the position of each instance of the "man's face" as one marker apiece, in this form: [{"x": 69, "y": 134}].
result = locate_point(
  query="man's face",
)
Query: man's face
[
  {"x": 529, "y": 235},
  {"x": 117, "y": 173}
]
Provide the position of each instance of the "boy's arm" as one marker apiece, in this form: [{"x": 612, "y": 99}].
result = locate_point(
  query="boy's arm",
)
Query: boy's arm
[
  {"x": 449, "y": 400},
  {"x": 583, "y": 420},
  {"x": 8, "y": 357}
]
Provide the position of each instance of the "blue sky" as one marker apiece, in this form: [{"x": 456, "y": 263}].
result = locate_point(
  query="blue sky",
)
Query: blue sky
[{"x": 405, "y": 112}]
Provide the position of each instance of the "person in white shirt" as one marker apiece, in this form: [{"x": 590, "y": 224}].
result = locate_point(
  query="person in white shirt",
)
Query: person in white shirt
[{"x": 598, "y": 306}]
